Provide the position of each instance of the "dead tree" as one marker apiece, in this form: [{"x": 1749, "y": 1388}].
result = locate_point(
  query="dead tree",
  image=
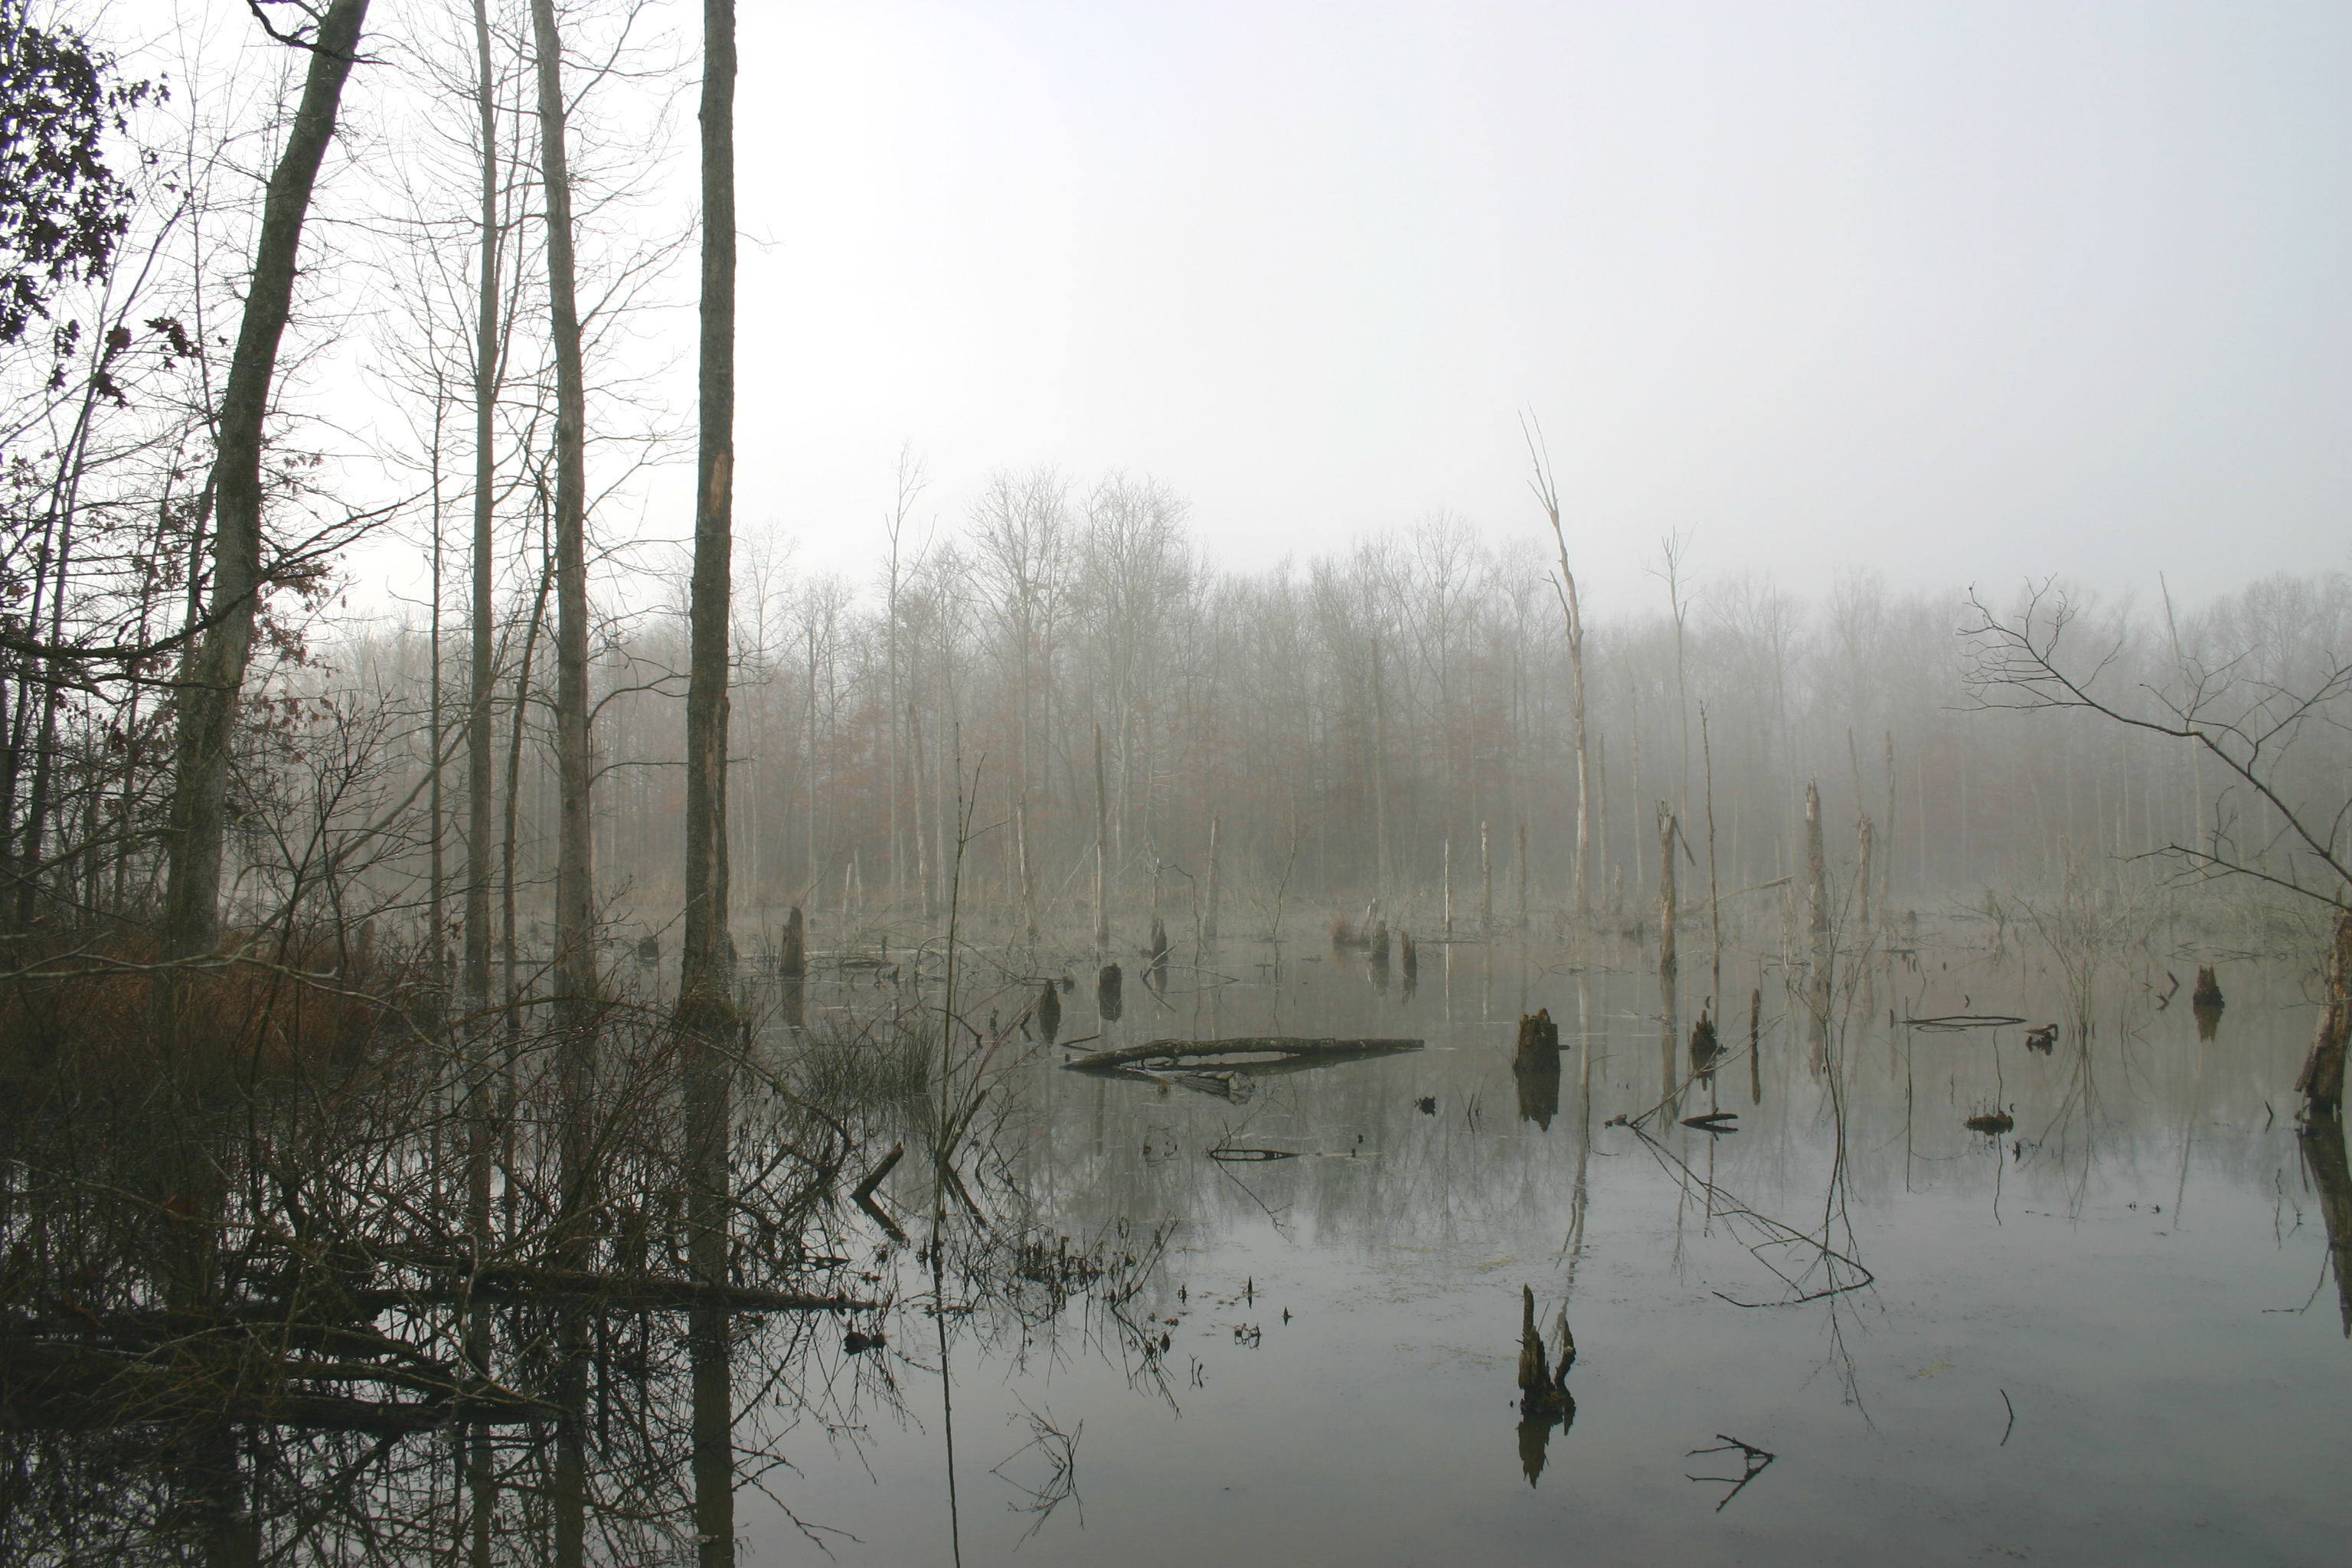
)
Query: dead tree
[
  {"x": 706, "y": 979},
  {"x": 1571, "y": 611},
  {"x": 2251, "y": 727}
]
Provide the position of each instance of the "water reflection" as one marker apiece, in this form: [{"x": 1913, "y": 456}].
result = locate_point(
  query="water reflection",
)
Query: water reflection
[{"x": 1082, "y": 1256}]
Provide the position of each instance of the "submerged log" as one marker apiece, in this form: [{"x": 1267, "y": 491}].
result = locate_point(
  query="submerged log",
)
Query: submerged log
[{"x": 1282, "y": 1047}]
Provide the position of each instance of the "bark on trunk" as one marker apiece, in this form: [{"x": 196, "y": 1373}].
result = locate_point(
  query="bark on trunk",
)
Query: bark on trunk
[
  {"x": 575, "y": 956},
  {"x": 482, "y": 676},
  {"x": 213, "y": 678},
  {"x": 706, "y": 979},
  {"x": 2321, "y": 1082}
]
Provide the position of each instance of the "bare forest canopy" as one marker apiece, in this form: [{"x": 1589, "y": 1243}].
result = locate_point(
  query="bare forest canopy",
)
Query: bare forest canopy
[
  {"x": 1370, "y": 722},
  {"x": 1390, "y": 721}
]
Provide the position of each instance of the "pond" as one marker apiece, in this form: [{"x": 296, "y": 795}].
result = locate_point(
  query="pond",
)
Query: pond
[
  {"x": 2103, "y": 1331},
  {"x": 1984, "y": 1255}
]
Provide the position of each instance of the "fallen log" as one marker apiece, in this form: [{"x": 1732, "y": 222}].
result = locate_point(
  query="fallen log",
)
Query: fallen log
[{"x": 1282, "y": 1048}]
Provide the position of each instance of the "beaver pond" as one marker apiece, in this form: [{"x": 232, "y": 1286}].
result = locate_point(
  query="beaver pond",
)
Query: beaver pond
[{"x": 1933, "y": 1280}]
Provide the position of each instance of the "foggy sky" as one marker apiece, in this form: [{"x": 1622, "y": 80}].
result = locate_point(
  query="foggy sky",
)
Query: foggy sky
[{"x": 1965, "y": 292}]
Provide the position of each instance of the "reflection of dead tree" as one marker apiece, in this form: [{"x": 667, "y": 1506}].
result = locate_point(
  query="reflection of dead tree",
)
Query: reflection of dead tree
[
  {"x": 2322, "y": 1138},
  {"x": 1058, "y": 1452},
  {"x": 1755, "y": 1461},
  {"x": 1827, "y": 1271}
]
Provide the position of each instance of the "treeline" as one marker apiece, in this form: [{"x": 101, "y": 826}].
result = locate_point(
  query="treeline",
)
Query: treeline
[
  {"x": 1379, "y": 723},
  {"x": 1061, "y": 669}
]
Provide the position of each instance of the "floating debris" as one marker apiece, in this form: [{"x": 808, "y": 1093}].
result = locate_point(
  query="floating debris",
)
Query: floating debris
[
  {"x": 1955, "y": 1021},
  {"x": 1285, "y": 1051}
]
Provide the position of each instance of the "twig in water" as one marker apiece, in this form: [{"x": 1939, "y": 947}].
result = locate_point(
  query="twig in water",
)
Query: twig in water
[{"x": 2012, "y": 1420}]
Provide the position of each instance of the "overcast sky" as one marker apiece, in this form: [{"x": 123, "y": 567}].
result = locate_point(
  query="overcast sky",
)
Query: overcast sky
[{"x": 1965, "y": 291}]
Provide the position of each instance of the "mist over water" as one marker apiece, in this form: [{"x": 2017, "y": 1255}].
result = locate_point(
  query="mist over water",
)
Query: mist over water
[{"x": 1134, "y": 986}]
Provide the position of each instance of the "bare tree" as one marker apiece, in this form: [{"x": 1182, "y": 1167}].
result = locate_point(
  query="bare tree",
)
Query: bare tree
[
  {"x": 575, "y": 957},
  {"x": 2253, "y": 724},
  {"x": 1572, "y": 611},
  {"x": 213, "y": 678}
]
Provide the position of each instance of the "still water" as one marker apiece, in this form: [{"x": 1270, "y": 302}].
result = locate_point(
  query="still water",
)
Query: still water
[{"x": 2105, "y": 1330}]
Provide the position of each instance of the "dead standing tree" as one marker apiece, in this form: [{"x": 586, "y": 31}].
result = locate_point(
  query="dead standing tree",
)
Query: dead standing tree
[
  {"x": 706, "y": 981},
  {"x": 1572, "y": 609}
]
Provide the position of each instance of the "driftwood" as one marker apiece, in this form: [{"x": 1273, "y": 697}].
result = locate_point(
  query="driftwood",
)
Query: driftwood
[{"x": 1285, "y": 1048}]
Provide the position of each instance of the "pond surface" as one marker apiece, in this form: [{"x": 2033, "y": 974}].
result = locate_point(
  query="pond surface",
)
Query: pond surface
[{"x": 2106, "y": 1331}]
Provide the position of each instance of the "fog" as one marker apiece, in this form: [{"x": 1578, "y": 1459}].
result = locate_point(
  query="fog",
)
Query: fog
[{"x": 912, "y": 778}]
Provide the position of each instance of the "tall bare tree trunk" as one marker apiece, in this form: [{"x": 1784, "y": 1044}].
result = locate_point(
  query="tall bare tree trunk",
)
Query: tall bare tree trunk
[
  {"x": 1572, "y": 610},
  {"x": 1817, "y": 924},
  {"x": 213, "y": 678},
  {"x": 1886, "y": 849},
  {"x": 481, "y": 680},
  {"x": 1667, "y": 962},
  {"x": 1208, "y": 923},
  {"x": 706, "y": 981},
  {"x": 575, "y": 953},
  {"x": 1379, "y": 778},
  {"x": 1102, "y": 853}
]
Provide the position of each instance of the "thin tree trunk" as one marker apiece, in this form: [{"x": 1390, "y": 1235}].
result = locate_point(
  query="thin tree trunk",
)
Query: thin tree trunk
[
  {"x": 576, "y": 954},
  {"x": 1817, "y": 923},
  {"x": 1572, "y": 613},
  {"x": 213, "y": 678},
  {"x": 1886, "y": 855},
  {"x": 1380, "y": 776},
  {"x": 706, "y": 978},
  {"x": 1209, "y": 924},
  {"x": 482, "y": 673},
  {"x": 1102, "y": 852},
  {"x": 1714, "y": 890}
]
